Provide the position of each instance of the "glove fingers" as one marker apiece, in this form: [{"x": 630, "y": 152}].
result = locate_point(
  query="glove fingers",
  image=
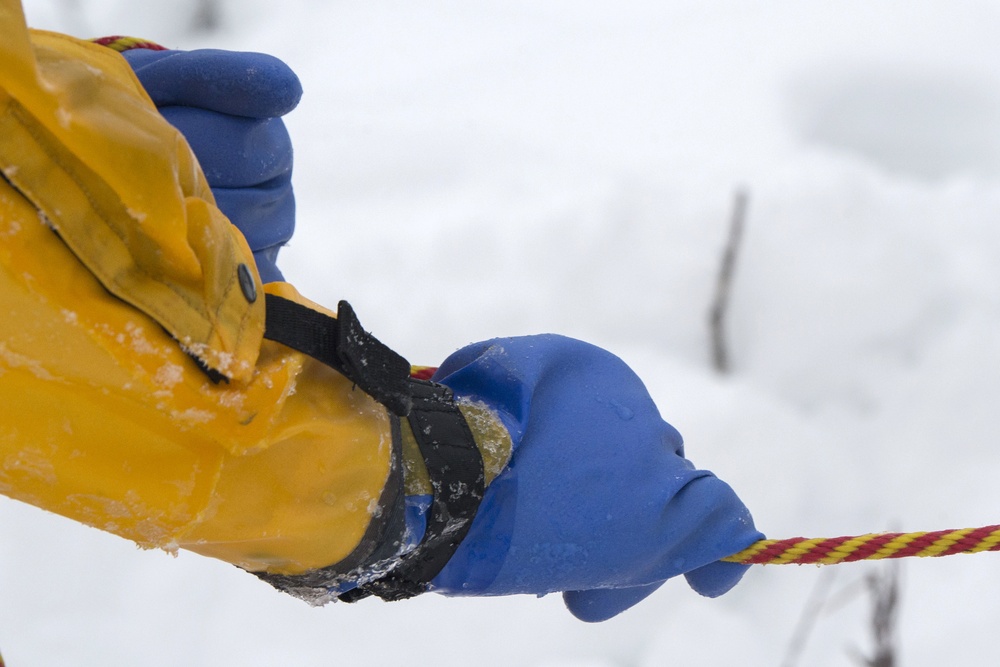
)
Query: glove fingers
[
  {"x": 604, "y": 603},
  {"x": 265, "y": 215},
  {"x": 714, "y": 579},
  {"x": 234, "y": 152},
  {"x": 254, "y": 85}
]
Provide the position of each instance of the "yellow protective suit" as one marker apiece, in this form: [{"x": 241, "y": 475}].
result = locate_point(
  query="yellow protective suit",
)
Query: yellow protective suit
[{"x": 119, "y": 286}]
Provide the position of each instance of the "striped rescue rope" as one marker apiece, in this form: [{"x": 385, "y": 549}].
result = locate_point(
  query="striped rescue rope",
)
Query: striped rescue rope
[
  {"x": 422, "y": 372},
  {"x": 874, "y": 546},
  {"x": 121, "y": 43}
]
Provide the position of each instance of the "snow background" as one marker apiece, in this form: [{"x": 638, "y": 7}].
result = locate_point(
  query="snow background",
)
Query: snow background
[{"x": 472, "y": 170}]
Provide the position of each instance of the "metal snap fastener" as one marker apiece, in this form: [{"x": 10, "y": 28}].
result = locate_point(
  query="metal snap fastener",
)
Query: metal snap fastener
[{"x": 247, "y": 283}]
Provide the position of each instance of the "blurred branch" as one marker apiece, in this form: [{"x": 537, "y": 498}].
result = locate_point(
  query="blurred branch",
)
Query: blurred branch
[
  {"x": 883, "y": 587},
  {"x": 723, "y": 285}
]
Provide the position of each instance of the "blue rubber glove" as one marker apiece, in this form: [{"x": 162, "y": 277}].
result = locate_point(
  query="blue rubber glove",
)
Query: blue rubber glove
[
  {"x": 228, "y": 105},
  {"x": 598, "y": 500}
]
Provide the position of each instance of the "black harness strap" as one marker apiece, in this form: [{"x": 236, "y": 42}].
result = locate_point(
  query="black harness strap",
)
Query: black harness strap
[{"x": 454, "y": 463}]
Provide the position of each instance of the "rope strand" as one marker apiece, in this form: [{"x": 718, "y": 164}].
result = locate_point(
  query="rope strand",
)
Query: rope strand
[{"x": 874, "y": 546}]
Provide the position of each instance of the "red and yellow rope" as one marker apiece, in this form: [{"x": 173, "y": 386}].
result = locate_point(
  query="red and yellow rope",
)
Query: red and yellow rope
[
  {"x": 875, "y": 546},
  {"x": 121, "y": 43},
  {"x": 422, "y": 372}
]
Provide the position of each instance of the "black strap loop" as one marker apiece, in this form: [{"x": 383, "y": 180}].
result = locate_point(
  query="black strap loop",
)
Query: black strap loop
[
  {"x": 342, "y": 344},
  {"x": 454, "y": 462}
]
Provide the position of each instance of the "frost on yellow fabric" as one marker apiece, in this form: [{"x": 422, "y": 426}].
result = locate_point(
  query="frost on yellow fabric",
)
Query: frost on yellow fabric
[
  {"x": 85, "y": 145},
  {"x": 115, "y": 267}
]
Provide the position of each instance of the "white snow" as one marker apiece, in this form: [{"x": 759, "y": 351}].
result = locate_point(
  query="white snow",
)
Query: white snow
[{"x": 469, "y": 170}]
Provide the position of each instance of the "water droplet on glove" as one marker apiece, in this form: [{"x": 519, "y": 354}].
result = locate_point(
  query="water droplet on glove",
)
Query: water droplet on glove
[{"x": 623, "y": 412}]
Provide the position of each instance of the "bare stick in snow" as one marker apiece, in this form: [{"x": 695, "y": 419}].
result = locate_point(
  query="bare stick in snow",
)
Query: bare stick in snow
[
  {"x": 883, "y": 587},
  {"x": 723, "y": 286}
]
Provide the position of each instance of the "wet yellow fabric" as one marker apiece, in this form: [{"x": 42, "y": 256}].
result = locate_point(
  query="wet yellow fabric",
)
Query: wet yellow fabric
[
  {"x": 84, "y": 144},
  {"x": 112, "y": 251}
]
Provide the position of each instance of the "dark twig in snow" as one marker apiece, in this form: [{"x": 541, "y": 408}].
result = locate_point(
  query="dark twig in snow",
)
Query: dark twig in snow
[
  {"x": 883, "y": 587},
  {"x": 883, "y": 590},
  {"x": 723, "y": 286}
]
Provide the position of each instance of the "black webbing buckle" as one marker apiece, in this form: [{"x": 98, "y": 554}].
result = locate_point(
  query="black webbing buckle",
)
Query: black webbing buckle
[{"x": 454, "y": 463}]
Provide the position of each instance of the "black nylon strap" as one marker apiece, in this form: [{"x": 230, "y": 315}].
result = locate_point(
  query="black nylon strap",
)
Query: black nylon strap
[
  {"x": 454, "y": 462},
  {"x": 455, "y": 467},
  {"x": 342, "y": 344}
]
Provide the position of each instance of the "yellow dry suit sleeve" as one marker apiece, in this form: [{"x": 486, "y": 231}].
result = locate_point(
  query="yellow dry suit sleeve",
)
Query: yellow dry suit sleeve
[{"x": 120, "y": 286}]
